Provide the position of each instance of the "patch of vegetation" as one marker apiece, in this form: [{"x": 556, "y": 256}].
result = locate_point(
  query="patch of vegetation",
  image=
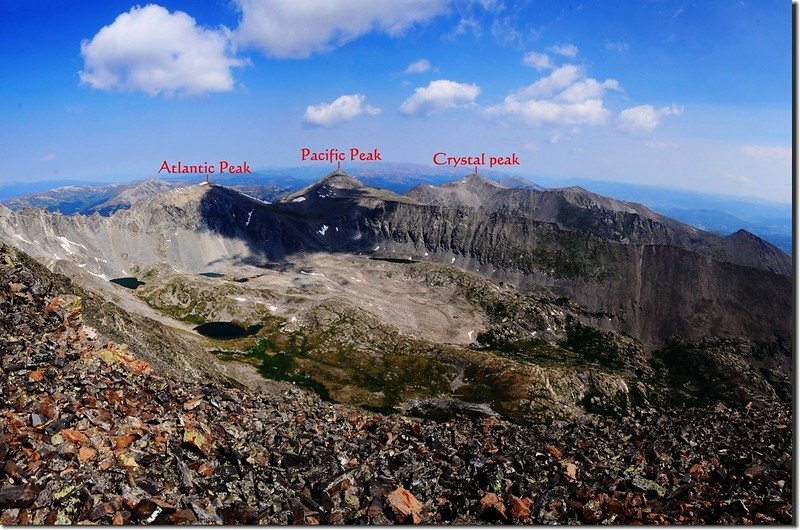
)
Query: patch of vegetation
[
  {"x": 176, "y": 312},
  {"x": 596, "y": 346},
  {"x": 282, "y": 367},
  {"x": 505, "y": 391}
]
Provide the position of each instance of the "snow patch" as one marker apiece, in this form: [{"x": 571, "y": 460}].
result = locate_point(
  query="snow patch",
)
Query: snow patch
[
  {"x": 22, "y": 239},
  {"x": 323, "y": 230},
  {"x": 240, "y": 299},
  {"x": 376, "y": 248},
  {"x": 298, "y": 199},
  {"x": 67, "y": 245},
  {"x": 453, "y": 260},
  {"x": 249, "y": 215},
  {"x": 308, "y": 273},
  {"x": 272, "y": 307},
  {"x": 257, "y": 199}
]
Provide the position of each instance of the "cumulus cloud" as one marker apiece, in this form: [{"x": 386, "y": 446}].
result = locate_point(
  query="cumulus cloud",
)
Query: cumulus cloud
[
  {"x": 154, "y": 51},
  {"x": 564, "y": 97},
  {"x": 640, "y": 120},
  {"x": 540, "y": 61},
  {"x": 418, "y": 67},
  {"x": 439, "y": 95},
  {"x": 298, "y": 28},
  {"x": 567, "y": 50},
  {"x": 340, "y": 110},
  {"x": 768, "y": 152}
]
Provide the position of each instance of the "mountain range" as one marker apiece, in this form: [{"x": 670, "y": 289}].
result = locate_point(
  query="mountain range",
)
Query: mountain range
[
  {"x": 467, "y": 292},
  {"x": 716, "y": 213}
]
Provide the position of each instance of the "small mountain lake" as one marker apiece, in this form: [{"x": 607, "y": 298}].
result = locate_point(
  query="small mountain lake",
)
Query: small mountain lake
[
  {"x": 212, "y": 274},
  {"x": 225, "y": 330},
  {"x": 394, "y": 260},
  {"x": 129, "y": 282}
]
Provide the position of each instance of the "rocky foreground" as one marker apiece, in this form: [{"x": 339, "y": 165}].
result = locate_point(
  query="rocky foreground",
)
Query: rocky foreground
[{"x": 88, "y": 432}]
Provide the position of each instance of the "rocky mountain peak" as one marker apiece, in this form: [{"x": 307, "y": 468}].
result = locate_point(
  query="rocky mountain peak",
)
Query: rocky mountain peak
[
  {"x": 339, "y": 179},
  {"x": 474, "y": 180},
  {"x": 340, "y": 185}
]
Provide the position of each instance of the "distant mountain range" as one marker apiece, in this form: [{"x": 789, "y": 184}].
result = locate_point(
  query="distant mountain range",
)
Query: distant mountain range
[{"x": 715, "y": 213}]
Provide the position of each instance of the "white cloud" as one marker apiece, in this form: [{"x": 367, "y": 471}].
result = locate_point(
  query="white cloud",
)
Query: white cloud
[
  {"x": 619, "y": 46},
  {"x": 504, "y": 30},
  {"x": 439, "y": 95},
  {"x": 661, "y": 144},
  {"x": 567, "y": 50},
  {"x": 465, "y": 24},
  {"x": 154, "y": 51},
  {"x": 564, "y": 97},
  {"x": 768, "y": 152},
  {"x": 587, "y": 89},
  {"x": 48, "y": 158},
  {"x": 298, "y": 28},
  {"x": 418, "y": 67},
  {"x": 643, "y": 119},
  {"x": 342, "y": 109},
  {"x": 555, "y": 82},
  {"x": 738, "y": 178},
  {"x": 540, "y": 61}
]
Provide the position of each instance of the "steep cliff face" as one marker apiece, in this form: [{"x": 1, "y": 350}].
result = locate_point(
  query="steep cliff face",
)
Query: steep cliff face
[
  {"x": 618, "y": 221},
  {"x": 652, "y": 291}
]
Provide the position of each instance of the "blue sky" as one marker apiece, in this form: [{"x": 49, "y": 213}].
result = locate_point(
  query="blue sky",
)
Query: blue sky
[{"x": 693, "y": 95}]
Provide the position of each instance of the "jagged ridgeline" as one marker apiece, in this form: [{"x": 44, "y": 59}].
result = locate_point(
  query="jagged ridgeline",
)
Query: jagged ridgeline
[{"x": 527, "y": 302}]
